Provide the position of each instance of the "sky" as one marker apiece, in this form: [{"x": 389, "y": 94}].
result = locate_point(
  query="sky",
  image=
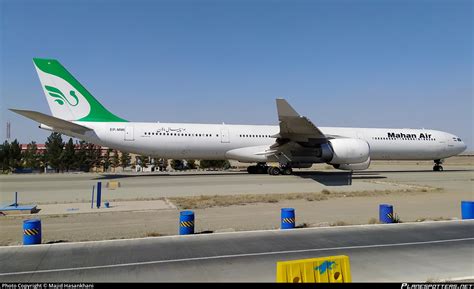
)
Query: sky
[{"x": 377, "y": 63}]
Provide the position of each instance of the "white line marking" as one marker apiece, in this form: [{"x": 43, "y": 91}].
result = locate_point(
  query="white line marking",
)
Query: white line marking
[
  {"x": 457, "y": 279},
  {"x": 233, "y": 256}
]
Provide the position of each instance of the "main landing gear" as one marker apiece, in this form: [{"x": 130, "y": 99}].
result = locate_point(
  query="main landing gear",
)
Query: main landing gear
[
  {"x": 262, "y": 168},
  {"x": 438, "y": 167}
]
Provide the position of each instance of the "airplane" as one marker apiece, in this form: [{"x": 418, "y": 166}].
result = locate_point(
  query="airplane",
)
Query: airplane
[{"x": 295, "y": 143}]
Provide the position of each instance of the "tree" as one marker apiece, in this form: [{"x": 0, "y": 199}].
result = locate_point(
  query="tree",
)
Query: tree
[
  {"x": 5, "y": 156},
  {"x": 82, "y": 159},
  {"x": 143, "y": 161},
  {"x": 125, "y": 159},
  {"x": 177, "y": 164},
  {"x": 215, "y": 164},
  {"x": 31, "y": 157},
  {"x": 15, "y": 155},
  {"x": 191, "y": 164},
  {"x": 54, "y": 149},
  {"x": 68, "y": 155},
  {"x": 115, "y": 160},
  {"x": 95, "y": 155},
  {"x": 106, "y": 162},
  {"x": 163, "y": 164}
]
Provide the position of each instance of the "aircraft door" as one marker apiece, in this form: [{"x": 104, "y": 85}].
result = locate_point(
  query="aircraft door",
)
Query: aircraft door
[
  {"x": 225, "y": 135},
  {"x": 129, "y": 133}
]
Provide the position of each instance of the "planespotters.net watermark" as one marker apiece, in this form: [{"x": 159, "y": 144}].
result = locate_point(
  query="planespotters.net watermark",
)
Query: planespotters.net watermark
[
  {"x": 436, "y": 286},
  {"x": 47, "y": 285}
]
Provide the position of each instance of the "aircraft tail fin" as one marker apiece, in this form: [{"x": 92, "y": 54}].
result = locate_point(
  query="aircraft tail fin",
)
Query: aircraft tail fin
[{"x": 67, "y": 98}]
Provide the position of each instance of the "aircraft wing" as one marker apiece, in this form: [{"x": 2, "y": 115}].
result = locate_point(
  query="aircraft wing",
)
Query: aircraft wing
[
  {"x": 296, "y": 128},
  {"x": 54, "y": 122}
]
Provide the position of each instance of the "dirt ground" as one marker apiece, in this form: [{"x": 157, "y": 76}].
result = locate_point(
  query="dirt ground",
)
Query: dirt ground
[{"x": 439, "y": 201}]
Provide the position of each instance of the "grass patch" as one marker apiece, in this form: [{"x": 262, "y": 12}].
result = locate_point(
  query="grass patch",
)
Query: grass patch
[
  {"x": 209, "y": 201},
  {"x": 325, "y": 192},
  {"x": 339, "y": 223},
  {"x": 201, "y": 202}
]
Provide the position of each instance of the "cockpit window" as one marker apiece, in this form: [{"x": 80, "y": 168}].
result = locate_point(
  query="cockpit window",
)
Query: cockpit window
[{"x": 459, "y": 139}]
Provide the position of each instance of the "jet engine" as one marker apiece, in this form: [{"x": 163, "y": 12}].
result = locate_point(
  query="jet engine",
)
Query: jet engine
[
  {"x": 344, "y": 151},
  {"x": 354, "y": 167}
]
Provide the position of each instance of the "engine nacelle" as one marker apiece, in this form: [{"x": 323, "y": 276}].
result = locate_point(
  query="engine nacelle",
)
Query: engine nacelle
[
  {"x": 353, "y": 167},
  {"x": 349, "y": 151},
  {"x": 46, "y": 127},
  {"x": 249, "y": 154}
]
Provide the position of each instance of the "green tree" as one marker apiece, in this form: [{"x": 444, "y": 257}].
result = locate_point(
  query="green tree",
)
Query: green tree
[
  {"x": 115, "y": 162},
  {"x": 31, "y": 157},
  {"x": 82, "y": 159},
  {"x": 125, "y": 160},
  {"x": 68, "y": 156},
  {"x": 162, "y": 164},
  {"x": 143, "y": 161},
  {"x": 95, "y": 155},
  {"x": 215, "y": 164},
  {"x": 191, "y": 164},
  {"x": 54, "y": 148},
  {"x": 15, "y": 155},
  {"x": 5, "y": 156},
  {"x": 177, "y": 164},
  {"x": 106, "y": 161}
]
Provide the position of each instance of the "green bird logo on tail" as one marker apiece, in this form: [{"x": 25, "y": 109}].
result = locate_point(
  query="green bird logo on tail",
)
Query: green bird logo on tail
[{"x": 59, "y": 96}]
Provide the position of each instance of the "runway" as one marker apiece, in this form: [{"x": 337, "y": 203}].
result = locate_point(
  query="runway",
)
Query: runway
[{"x": 396, "y": 252}]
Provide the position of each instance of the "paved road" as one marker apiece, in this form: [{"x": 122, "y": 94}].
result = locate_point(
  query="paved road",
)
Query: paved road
[{"x": 403, "y": 252}]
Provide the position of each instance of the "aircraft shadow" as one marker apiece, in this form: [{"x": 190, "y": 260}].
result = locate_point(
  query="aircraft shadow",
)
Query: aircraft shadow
[
  {"x": 335, "y": 178},
  {"x": 419, "y": 171}
]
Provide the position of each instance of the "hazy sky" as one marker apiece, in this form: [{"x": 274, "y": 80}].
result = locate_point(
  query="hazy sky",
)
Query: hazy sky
[{"x": 380, "y": 63}]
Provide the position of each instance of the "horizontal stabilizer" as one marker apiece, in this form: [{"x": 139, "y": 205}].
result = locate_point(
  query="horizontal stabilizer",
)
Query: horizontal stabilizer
[{"x": 54, "y": 122}]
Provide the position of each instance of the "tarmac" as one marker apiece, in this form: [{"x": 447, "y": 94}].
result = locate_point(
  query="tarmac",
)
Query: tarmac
[{"x": 378, "y": 253}]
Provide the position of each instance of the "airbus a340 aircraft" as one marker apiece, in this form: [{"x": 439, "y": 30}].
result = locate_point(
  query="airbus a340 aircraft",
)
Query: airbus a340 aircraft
[{"x": 295, "y": 143}]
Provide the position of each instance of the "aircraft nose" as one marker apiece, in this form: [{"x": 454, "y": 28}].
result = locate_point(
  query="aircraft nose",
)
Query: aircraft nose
[{"x": 463, "y": 147}]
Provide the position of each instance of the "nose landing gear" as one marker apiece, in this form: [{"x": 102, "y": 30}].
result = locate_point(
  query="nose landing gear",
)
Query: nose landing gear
[{"x": 438, "y": 167}]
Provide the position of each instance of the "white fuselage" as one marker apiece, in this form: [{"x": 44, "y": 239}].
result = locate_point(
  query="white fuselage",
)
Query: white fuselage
[{"x": 213, "y": 141}]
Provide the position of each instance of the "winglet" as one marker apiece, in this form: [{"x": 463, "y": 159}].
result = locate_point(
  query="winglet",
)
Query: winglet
[{"x": 285, "y": 109}]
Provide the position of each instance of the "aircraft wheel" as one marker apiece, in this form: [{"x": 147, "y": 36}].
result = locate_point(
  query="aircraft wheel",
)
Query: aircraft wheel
[
  {"x": 437, "y": 168},
  {"x": 287, "y": 171},
  {"x": 252, "y": 169},
  {"x": 275, "y": 171},
  {"x": 262, "y": 169}
]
